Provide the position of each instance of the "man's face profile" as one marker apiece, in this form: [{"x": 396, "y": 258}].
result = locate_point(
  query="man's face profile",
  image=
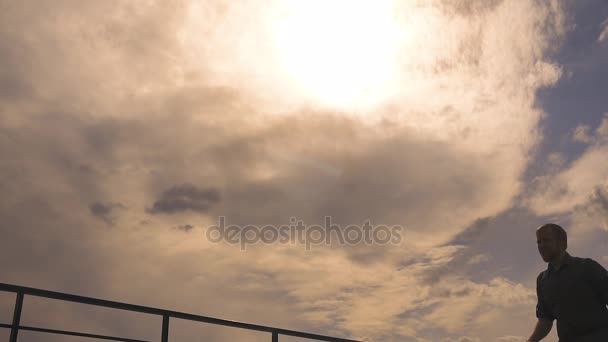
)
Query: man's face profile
[{"x": 549, "y": 246}]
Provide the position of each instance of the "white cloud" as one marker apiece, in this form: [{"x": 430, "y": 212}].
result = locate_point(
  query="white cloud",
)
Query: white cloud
[
  {"x": 581, "y": 134},
  {"x": 604, "y": 34},
  {"x": 478, "y": 259},
  {"x": 571, "y": 187},
  {"x": 602, "y": 131},
  {"x": 593, "y": 212},
  {"x": 477, "y": 305}
]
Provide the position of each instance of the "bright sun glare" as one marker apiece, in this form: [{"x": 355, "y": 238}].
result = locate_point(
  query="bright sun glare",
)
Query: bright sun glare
[{"x": 341, "y": 53}]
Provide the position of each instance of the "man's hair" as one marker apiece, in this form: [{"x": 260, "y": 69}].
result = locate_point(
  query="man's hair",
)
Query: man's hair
[{"x": 559, "y": 232}]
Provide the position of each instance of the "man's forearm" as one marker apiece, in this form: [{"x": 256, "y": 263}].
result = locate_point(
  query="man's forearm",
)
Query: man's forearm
[{"x": 542, "y": 329}]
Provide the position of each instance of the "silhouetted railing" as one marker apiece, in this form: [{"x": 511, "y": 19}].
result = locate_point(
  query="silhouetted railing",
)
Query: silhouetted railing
[{"x": 22, "y": 291}]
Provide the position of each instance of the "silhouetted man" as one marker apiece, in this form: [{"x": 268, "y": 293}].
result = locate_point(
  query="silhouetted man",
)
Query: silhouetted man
[{"x": 572, "y": 290}]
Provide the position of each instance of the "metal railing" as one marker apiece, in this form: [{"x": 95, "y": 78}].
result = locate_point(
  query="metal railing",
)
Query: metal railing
[{"x": 22, "y": 291}]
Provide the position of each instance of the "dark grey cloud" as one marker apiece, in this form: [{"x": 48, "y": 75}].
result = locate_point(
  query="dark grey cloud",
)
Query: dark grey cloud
[
  {"x": 185, "y": 197},
  {"x": 104, "y": 211},
  {"x": 184, "y": 227}
]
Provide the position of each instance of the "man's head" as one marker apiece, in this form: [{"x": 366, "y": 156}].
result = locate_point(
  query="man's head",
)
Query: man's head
[{"x": 552, "y": 241}]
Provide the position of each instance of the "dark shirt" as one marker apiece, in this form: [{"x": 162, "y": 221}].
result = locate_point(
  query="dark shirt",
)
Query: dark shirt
[{"x": 576, "y": 295}]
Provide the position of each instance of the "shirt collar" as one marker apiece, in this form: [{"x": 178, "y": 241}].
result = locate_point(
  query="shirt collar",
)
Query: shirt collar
[{"x": 566, "y": 261}]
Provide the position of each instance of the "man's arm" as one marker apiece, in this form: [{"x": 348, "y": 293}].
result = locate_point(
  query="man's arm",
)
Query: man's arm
[
  {"x": 544, "y": 315},
  {"x": 542, "y": 329}
]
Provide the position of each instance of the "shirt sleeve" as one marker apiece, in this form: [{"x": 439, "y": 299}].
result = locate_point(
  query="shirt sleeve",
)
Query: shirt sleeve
[
  {"x": 542, "y": 311},
  {"x": 598, "y": 277}
]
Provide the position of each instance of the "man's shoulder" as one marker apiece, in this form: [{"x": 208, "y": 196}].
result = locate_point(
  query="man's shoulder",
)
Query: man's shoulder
[
  {"x": 583, "y": 261},
  {"x": 591, "y": 264},
  {"x": 578, "y": 259},
  {"x": 588, "y": 265},
  {"x": 541, "y": 276}
]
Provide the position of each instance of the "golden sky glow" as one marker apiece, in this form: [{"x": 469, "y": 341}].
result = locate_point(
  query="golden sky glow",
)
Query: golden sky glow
[{"x": 339, "y": 53}]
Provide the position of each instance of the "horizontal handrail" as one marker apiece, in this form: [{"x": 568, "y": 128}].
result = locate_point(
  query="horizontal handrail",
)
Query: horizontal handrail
[
  {"x": 70, "y": 333},
  {"x": 155, "y": 311}
]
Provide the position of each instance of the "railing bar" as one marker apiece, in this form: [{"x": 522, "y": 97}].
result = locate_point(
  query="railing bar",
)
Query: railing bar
[
  {"x": 312, "y": 336},
  {"x": 128, "y": 307},
  {"x": 71, "y": 333},
  {"x": 165, "y": 332},
  {"x": 219, "y": 321},
  {"x": 275, "y": 336},
  {"x": 80, "y": 299},
  {"x": 162, "y": 312},
  {"x": 16, "y": 317}
]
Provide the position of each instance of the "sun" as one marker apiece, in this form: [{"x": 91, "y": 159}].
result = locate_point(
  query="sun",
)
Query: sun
[{"x": 339, "y": 53}]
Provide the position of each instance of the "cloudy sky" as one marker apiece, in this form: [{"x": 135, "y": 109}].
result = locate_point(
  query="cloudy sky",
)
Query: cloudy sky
[{"x": 128, "y": 128}]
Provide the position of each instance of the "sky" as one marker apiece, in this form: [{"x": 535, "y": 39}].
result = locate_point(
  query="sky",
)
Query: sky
[{"x": 128, "y": 129}]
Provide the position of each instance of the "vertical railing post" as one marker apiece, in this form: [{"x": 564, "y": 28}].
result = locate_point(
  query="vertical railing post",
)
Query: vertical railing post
[
  {"x": 275, "y": 336},
  {"x": 165, "y": 336},
  {"x": 16, "y": 317}
]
